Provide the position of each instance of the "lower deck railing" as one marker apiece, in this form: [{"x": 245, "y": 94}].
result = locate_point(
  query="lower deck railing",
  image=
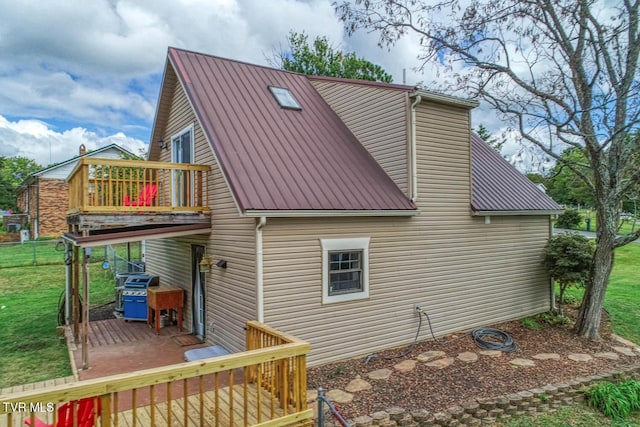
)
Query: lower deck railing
[{"x": 265, "y": 385}]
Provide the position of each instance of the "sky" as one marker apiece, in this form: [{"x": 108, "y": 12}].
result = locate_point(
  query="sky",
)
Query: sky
[{"x": 78, "y": 72}]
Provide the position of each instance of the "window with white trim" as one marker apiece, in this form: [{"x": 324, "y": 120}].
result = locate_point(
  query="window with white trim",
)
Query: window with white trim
[
  {"x": 182, "y": 151},
  {"x": 345, "y": 269}
]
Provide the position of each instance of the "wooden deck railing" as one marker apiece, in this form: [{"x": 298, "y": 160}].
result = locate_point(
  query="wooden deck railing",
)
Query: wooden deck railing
[
  {"x": 265, "y": 385},
  {"x": 104, "y": 186}
]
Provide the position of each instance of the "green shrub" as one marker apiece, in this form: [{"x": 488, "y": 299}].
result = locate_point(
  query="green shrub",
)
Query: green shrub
[
  {"x": 568, "y": 299},
  {"x": 568, "y": 257},
  {"x": 530, "y": 323},
  {"x": 616, "y": 401},
  {"x": 553, "y": 319},
  {"x": 570, "y": 219}
]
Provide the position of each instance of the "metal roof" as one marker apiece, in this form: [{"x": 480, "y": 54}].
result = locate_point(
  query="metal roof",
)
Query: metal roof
[
  {"x": 498, "y": 187},
  {"x": 278, "y": 159}
]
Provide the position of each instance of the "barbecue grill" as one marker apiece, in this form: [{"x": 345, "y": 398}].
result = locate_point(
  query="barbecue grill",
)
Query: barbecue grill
[{"x": 134, "y": 295}]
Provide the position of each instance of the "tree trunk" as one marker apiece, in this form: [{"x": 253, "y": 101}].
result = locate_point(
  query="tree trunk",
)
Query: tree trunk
[{"x": 588, "y": 322}]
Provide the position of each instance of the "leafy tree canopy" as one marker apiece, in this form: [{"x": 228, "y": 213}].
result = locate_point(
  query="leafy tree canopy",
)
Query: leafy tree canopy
[
  {"x": 13, "y": 170},
  {"x": 495, "y": 142},
  {"x": 321, "y": 59},
  {"x": 565, "y": 186}
]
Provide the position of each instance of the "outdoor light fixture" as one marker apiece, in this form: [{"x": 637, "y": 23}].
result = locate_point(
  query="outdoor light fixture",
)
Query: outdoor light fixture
[
  {"x": 205, "y": 264},
  {"x": 163, "y": 145},
  {"x": 222, "y": 263}
]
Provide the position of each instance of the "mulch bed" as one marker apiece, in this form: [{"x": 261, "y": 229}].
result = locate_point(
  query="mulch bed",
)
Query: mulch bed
[{"x": 436, "y": 390}]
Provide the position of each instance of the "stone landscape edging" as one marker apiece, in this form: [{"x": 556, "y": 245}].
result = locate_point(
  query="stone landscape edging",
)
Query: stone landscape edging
[{"x": 486, "y": 411}]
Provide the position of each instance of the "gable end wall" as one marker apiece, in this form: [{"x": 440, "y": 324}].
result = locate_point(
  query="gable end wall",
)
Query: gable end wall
[
  {"x": 463, "y": 272},
  {"x": 230, "y": 293},
  {"x": 377, "y": 117}
]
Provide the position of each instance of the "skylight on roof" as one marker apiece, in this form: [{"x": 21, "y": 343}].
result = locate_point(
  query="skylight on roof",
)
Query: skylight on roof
[{"x": 285, "y": 98}]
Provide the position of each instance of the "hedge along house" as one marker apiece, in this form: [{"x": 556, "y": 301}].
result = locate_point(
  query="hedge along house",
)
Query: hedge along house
[
  {"x": 337, "y": 205},
  {"x": 44, "y": 195}
]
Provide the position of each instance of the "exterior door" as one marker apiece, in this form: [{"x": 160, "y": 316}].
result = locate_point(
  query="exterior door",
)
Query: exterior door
[
  {"x": 198, "y": 292},
  {"x": 182, "y": 152}
]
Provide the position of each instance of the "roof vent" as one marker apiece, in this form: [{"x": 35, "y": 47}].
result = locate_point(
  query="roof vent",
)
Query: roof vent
[
  {"x": 82, "y": 150},
  {"x": 285, "y": 98}
]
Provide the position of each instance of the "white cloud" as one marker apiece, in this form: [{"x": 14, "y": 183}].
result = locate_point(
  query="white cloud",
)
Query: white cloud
[
  {"x": 36, "y": 140},
  {"x": 96, "y": 65}
]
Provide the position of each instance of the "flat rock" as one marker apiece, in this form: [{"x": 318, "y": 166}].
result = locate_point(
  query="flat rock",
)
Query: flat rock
[
  {"x": 405, "y": 365},
  {"x": 441, "y": 363},
  {"x": 607, "y": 355},
  {"x": 626, "y": 351},
  {"x": 357, "y": 385},
  {"x": 546, "y": 356},
  {"x": 623, "y": 341},
  {"x": 312, "y": 395},
  {"x": 380, "y": 374},
  {"x": 522, "y": 362},
  {"x": 468, "y": 356},
  {"x": 491, "y": 353},
  {"x": 580, "y": 357},
  {"x": 339, "y": 396},
  {"x": 430, "y": 355}
]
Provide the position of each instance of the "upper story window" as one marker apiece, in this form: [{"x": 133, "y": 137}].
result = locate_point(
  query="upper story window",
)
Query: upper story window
[
  {"x": 182, "y": 146},
  {"x": 285, "y": 98}
]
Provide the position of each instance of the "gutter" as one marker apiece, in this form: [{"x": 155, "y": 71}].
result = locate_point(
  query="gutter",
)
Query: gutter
[
  {"x": 413, "y": 166},
  {"x": 516, "y": 212},
  {"x": 260, "y": 269},
  {"x": 327, "y": 213}
]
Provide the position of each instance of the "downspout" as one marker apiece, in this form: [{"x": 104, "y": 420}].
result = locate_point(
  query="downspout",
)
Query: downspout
[
  {"x": 259, "y": 270},
  {"x": 412, "y": 154},
  {"x": 551, "y": 280}
]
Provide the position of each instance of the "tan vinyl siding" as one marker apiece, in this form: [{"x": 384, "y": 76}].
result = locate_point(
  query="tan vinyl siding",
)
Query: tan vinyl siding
[
  {"x": 230, "y": 294},
  {"x": 463, "y": 272},
  {"x": 377, "y": 117}
]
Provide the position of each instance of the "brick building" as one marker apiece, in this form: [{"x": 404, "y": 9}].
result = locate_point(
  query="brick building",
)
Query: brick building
[{"x": 44, "y": 195}]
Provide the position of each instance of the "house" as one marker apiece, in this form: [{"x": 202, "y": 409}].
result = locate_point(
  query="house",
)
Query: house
[
  {"x": 337, "y": 206},
  {"x": 43, "y": 195}
]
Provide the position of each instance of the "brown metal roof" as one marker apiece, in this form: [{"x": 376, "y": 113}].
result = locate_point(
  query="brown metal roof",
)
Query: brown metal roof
[
  {"x": 281, "y": 159},
  {"x": 498, "y": 187}
]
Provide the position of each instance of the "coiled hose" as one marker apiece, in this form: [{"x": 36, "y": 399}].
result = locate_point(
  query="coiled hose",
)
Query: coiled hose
[{"x": 493, "y": 339}]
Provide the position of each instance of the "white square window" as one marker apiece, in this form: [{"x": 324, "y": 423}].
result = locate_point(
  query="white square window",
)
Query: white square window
[{"x": 345, "y": 269}]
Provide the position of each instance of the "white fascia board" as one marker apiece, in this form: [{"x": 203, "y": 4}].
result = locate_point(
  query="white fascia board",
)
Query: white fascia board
[{"x": 328, "y": 213}]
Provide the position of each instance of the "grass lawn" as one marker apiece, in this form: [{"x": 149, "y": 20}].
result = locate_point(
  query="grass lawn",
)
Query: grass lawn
[
  {"x": 574, "y": 416},
  {"x": 29, "y": 297},
  {"x": 33, "y": 252},
  {"x": 626, "y": 226}
]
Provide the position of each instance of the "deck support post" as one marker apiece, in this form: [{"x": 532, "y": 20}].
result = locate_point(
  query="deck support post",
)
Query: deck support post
[
  {"x": 85, "y": 308},
  {"x": 75, "y": 284}
]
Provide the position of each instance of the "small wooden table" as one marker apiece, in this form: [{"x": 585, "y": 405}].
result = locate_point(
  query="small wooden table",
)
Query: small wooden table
[{"x": 164, "y": 298}]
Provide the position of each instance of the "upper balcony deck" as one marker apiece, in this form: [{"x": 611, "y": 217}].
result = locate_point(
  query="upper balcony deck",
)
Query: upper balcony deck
[{"x": 108, "y": 193}]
